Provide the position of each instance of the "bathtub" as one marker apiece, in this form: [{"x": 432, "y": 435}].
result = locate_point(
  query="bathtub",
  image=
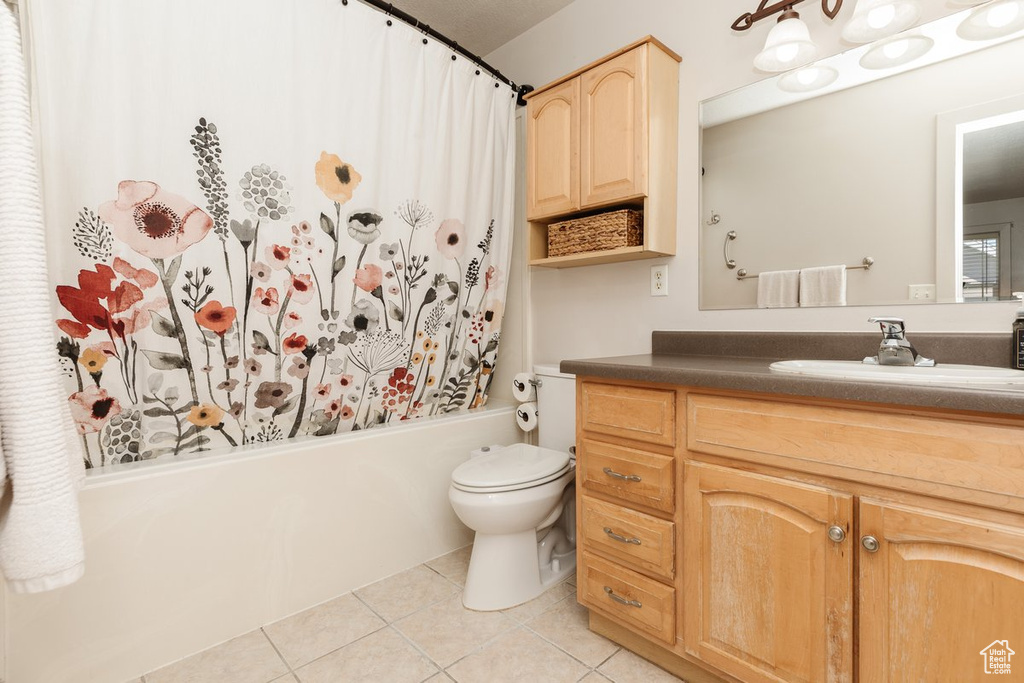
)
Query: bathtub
[{"x": 184, "y": 555}]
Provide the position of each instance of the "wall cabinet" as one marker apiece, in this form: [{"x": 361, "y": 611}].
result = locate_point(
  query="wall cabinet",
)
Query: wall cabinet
[
  {"x": 835, "y": 542},
  {"x": 606, "y": 136}
]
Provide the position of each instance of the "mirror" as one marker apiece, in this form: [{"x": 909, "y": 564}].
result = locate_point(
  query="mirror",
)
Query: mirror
[{"x": 916, "y": 170}]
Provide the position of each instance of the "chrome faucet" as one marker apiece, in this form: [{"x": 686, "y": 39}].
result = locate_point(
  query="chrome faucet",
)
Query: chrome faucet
[{"x": 895, "y": 349}]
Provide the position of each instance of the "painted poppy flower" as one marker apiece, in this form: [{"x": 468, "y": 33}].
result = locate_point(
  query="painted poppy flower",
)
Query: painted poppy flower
[
  {"x": 335, "y": 178},
  {"x": 266, "y": 302},
  {"x": 388, "y": 252},
  {"x": 215, "y": 317},
  {"x": 332, "y": 408},
  {"x": 300, "y": 288},
  {"x": 91, "y": 408},
  {"x": 451, "y": 238},
  {"x": 153, "y": 222},
  {"x": 93, "y": 360},
  {"x": 347, "y": 413},
  {"x": 299, "y": 367},
  {"x": 364, "y": 226},
  {"x": 323, "y": 390},
  {"x": 494, "y": 310},
  {"x": 345, "y": 381},
  {"x": 294, "y": 343},
  {"x": 237, "y": 409},
  {"x": 253, "y": 366},
  {"x": 492, "y": 278},
  {"x": 291, "y": 320},
  {"x": 364, "y": 316},
  {"x": 228, "y": 385},
  {"x": 260, "y": 271},
  {"x": 278, "y": 255},
  {"x": 206, "y": 415},
  {"x": 145, "y": 278},
  {"x": 272, "y": 394},
  {"x": 368, "y": 278}
]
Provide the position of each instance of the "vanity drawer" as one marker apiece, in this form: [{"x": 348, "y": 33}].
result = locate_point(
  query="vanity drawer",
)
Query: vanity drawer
[
  {"x": 627, "y": 473},
  {"x": 938, "y": 455},
  {"x": 628, "y": 597},
  {"x": 632, "y": 538},
  {"x": 629, "y": 412}
]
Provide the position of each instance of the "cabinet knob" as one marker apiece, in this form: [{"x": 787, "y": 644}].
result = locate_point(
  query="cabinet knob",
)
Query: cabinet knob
[
  {"x": 836, "y": 533},
  {"x": 870, "y": 544}
]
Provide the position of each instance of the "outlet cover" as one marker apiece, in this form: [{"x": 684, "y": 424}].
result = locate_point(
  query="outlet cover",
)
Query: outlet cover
[
  {"x": 922, "y": 292},
  {"x": 659, "y": 280}
]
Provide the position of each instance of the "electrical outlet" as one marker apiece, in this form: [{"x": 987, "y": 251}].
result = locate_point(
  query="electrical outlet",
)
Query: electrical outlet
[
  {"x": 922, "y": 292},
  {"x": 659, "y": 280}
]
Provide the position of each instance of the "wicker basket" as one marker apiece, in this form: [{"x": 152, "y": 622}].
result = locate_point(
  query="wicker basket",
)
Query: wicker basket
[{"x": 611, "y": 230}]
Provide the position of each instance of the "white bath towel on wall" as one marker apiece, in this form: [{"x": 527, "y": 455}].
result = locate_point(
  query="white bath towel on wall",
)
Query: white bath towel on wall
[
  {"x": 823, "y": 286},
  {"x": 778, "y": 289},
  {"x": 40, "y": 531}
]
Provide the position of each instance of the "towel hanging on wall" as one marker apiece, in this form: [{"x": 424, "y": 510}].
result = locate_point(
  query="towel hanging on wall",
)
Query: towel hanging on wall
[{"x": 40, "y": 532}]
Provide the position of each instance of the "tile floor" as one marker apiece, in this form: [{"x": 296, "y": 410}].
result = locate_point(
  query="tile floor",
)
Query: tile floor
[{"x": 412, "y": 627}]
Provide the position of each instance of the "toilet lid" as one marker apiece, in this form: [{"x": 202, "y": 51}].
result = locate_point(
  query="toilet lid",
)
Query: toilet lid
[{"x": 517, "y": 466}]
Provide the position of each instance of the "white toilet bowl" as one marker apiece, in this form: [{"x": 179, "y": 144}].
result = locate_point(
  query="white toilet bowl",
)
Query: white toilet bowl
[{"x": 514, "y": 500}]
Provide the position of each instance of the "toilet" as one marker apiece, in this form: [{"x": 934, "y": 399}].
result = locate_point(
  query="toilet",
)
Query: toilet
[{"x": 520, "y": 501}]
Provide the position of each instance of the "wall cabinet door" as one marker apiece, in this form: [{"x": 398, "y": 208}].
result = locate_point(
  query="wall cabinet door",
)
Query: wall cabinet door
[
  {"x": 936, "y": 592},
  {"x": 552, "y": 151},
  {"x": 767, "y": 593},
  {"x": 613, "y": 130}
]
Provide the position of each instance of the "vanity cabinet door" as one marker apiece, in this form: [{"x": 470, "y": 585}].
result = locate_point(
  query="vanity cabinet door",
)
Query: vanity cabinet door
[
  {"x": 613, "y": 130},
  {"x": 936, "y": 591},
  {"x": 552, "y": 151},
  {"x": 767, "y": 592}
]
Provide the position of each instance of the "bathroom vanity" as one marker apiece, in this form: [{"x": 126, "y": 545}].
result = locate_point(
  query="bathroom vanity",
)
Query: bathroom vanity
[{"x": 737, "y": 524}]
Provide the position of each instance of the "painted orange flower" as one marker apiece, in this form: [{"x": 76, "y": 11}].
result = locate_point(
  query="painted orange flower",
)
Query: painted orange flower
[
  {"x": 294, "y": 343},
  {"x": 206, "y": 415},
  {"x": 93, "y": 360},
  {"x": 215, "y": 317},
  {"x": 335, "y": 178},
  {"x": 153, "y": 222},
  {"x": 368, "y": 278}
]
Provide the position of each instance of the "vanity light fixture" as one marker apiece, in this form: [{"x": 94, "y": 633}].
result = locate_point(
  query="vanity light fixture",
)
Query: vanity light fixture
[
  {"x": 809, "y": 78},
  {"x": 876, "y": 19},
  {"x": 788, "y": 46},
  {"x": 993, "y": 20},
  {"x": 896, "y": 51}
]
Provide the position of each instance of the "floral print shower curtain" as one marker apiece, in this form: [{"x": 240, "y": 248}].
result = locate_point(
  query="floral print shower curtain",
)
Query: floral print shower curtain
[{"x": 308, "y": 239}]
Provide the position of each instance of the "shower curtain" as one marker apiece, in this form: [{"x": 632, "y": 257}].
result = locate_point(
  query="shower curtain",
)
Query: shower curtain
[{"x": 266, "y": 220}]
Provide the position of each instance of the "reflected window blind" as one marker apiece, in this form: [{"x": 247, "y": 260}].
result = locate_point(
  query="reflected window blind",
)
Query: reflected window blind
[{"x": 981, "y": 266}]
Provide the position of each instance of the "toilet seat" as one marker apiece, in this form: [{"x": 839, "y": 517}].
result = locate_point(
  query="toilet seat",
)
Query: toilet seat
[{"x": 512, "y": 468}]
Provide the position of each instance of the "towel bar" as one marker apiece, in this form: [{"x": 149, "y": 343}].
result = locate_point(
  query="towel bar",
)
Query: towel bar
[{"x": 741, "y": 274}]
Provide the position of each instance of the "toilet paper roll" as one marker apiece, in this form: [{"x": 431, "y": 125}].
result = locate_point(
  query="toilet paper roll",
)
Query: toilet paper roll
[
  {"x": 526, "y": 417},
  {"x": 523, "y": 389}
]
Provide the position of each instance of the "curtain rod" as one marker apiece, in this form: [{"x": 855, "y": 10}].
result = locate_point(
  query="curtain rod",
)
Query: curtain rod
[{"x": 390, "y": 10}]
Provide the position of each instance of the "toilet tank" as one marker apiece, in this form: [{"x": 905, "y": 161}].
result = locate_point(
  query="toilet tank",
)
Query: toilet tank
[{"x": 556, "y": 408}]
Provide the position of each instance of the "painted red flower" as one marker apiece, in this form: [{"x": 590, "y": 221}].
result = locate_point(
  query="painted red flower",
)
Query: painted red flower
[
  {"x": 91, "y": 408},
  {"x": 278, "y": 255},
  {"x": 215, "y": 317},
  {"x": 294, "y": 343},
  {"x": 265, "y": 302},
  {"x": 153, "y": 222},
  {"x": 301, "y": 288},
  {"x": 145, "y": 278},
  {"x": 368, "y": 278}
]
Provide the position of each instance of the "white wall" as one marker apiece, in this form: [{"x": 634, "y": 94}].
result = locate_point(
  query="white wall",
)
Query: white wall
[
  {"x": 180, "y": 557},
  {"x": 607, "y": 310}
]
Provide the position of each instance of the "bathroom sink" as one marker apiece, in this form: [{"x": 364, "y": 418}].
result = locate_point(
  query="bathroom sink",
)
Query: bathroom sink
[{"x": 940, "y": 374}]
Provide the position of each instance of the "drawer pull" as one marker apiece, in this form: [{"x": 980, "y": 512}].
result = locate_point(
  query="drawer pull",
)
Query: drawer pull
[
  {"x": 624, "y": 477},
  {"x": 621, "y": 601},
  {"x": 621, "y": 539}
]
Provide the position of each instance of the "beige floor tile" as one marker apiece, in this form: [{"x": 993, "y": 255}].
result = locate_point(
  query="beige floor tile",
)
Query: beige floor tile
[
  {"x": 518, "y": 656},
  {"x": 289, "y": 678},
  {"x": 594, "y": 677},
  {"x": 405, "y": 593},
  {"x": 441, "y": 677},
  {"x": 567, "y": 626},
  {"x": 542, "y": 603},
  {"x": 448, "y": 631},
  {"x": 246, "y": 659},
  {"x": 303, "y": 637},
  {"x": 384, "y": 657},
  {"x": 454, "y": 565},
  {"x": 626, "y": 667},
  {"x": 571, "y": 580}
]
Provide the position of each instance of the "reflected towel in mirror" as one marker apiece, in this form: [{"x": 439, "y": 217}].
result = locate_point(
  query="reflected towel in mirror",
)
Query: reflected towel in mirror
[
  {"x": 778, "y": 289},
  {"x": 823, "y": 286}
]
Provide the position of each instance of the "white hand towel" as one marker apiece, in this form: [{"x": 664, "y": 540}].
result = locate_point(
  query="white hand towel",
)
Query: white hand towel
[
  {"x": 778, "y": 289},
  {"x": 40, "y": 531},
  {"x": 824, "y": 286}
]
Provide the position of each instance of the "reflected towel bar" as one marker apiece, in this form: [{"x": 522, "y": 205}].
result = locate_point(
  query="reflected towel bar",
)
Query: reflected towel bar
[{"x": 866, "y": 264}]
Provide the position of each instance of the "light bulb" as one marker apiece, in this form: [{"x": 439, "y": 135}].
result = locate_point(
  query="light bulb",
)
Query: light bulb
[
  {"x": 787, "y": 53},
  {"x": 1002, "y": 15},
  {"x": 896, "y": 49},
  {"x": 807, "y": 76},
  {"x": 880, "y": 17}
]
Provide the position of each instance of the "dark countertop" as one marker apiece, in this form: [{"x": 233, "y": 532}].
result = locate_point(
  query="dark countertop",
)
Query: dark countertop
[{"x": 753, "y": 374}]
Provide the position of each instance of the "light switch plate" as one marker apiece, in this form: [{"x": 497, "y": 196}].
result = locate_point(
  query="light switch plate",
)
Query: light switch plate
[
  {"x": 922, "y": 292},
  {"x": 659, "y": 280}
]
